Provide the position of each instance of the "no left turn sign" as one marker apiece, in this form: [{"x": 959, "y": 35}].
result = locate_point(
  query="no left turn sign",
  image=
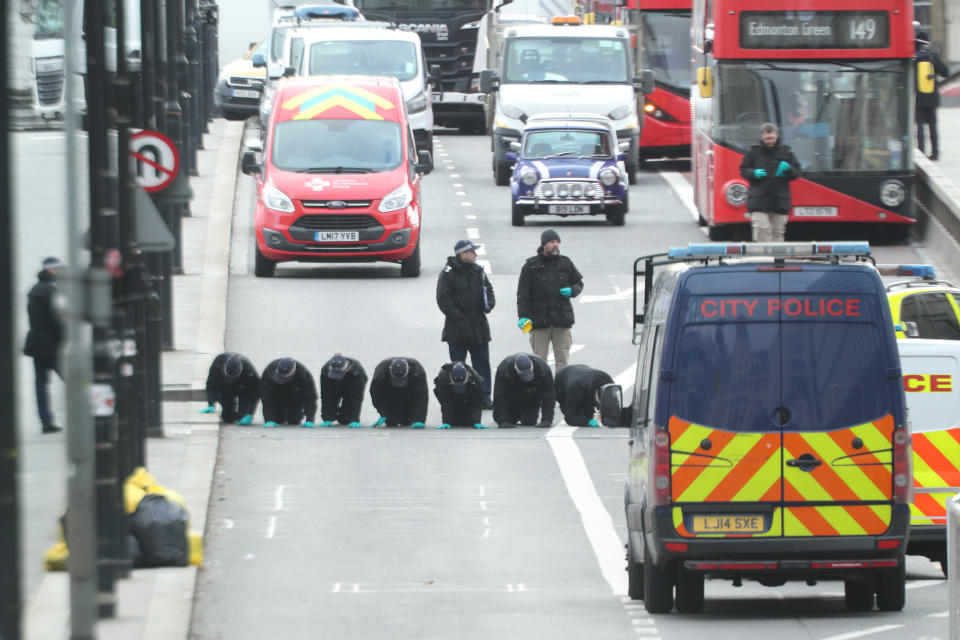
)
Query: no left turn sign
[{"x": 155, "y": 160}]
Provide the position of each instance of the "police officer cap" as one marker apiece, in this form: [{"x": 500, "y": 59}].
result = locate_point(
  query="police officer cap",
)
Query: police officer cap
[
  {"x": 337, "y": 368},
  {"x": 233, "y": 367},
  {"x": 53, "y": 262},
  {"x": 465, "y": 245},
  {"x": 523, "y": 365},
  {"x": 548, "y": 235},
  {"x": 285, "y": 370},
  {"x": 399, "y": 372},
  {"x": 923, "y": 35},
  {"x": 458, "y": 377}
]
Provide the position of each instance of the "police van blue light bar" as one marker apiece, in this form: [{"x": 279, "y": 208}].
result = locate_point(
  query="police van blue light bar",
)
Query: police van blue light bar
[
  {"x": 914, "y": 270},
  {"x": 771, "y": 249}
]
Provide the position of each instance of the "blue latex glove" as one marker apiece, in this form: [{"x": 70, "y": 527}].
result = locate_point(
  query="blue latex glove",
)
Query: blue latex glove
[
  {"x": 308, "y": 425},
  {"x": 593, "y": 423},
  {"x": 355, "y": 425},
  {"x": 417, "y": 425},
  {"x": 759, "y": 173},
  {"x": 209, "y": 409},
  {"x": 566, "y": 292},
  {"x": 245, "y": 420},
  {"x": 379, "y": 422},
  {"x": 326, "y": 423},
  {"x": 477, "y": 425},
  {"x": 270, "y": 424},
  {"x": 782, "y": 168},
  {"x": 444, "y": 426},
  {"x": 522, "y": 321}
]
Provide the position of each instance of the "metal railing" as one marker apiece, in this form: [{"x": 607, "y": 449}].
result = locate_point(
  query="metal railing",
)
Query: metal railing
[{"x": 953, "y": 564}]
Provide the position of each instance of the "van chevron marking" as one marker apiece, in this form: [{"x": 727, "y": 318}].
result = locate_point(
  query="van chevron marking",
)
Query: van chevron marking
[{"x": 318, "y": 100}]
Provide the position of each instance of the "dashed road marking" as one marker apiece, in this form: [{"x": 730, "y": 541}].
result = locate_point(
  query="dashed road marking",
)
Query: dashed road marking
[
  {"x": 486, "y": 266},
  {"x": 278, "y": 498},
  {"x": 272, "y": 526},
  {"x": 466, "y": 204},
  {"x": 473, "y": 233}
]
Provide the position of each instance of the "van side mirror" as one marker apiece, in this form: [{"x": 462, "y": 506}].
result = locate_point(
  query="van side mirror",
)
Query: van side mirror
[
  {"x": 489, "y": 81},
  {"x": 514, "y": 146},
  {"x": 912, "y": 331},
  {"x": 705, "y": 82},
  {"x": 253, "y": 144},
  {"x": 289, "y": 72},
  {"x": 611, "y": 405},
  {"x": 424, "y": 162},
  {"x": 647, "y": 83},
  {"x": 259, "y": 60},
  {"x": 249, "y": 163}
]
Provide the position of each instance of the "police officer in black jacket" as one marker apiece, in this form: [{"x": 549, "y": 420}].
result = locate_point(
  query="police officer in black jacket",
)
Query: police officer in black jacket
[
  {"x": 465, "y": 296},
  {"x": 769, "y": 167},
  {"x": 45, "y": 336},
  {"x": 459, "y": 388},
  {"x": 578, "y": 393},
  {"x": 233, "y": 381},
  {"x": 399, "y": 393},
  {"x": 342, "y": 382},
  {"x": 523, "y": 389},
  {"x": 289, "y": 393},
  {"x": 927, "y": 103},
  {"x": 547, "y": 282}
]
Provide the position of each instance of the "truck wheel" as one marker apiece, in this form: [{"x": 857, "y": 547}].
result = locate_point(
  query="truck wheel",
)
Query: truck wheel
[
  {"x": 262, "y": 267},
  {"x": 892, "y": 588},
  {"x": 858, "y": 595},
  {"x": 657, "y": 586},
  {"x": 410, "y": 268},
  {"x": 634, "y": 576},
  {"x": 517, "y": 215},
  {"x": 501, "y": 173}
]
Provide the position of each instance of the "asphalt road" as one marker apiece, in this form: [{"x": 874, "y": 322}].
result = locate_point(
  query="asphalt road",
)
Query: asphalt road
[{"x": 464, "y": 534}]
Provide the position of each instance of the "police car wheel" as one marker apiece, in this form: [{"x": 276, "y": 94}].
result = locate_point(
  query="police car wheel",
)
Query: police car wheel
[
  {"x": 657, "y": 586},
  {"x": 634, "y": 576},
  {"x": 689, "y": 591},
  {"x": 891, "y": 588},
  {"x": 858, "y": 595}
]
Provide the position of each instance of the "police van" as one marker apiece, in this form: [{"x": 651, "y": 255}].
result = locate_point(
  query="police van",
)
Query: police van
[{"x": 769, "y": 438}]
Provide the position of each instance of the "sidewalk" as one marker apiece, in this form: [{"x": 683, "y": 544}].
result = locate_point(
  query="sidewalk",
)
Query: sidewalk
[{"x": 156, "y": 604}]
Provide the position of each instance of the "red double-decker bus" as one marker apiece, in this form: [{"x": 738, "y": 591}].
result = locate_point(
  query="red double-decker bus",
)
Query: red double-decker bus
[
  {"x": 665, "y": 26},
  {"x": 836, "y": 78}
]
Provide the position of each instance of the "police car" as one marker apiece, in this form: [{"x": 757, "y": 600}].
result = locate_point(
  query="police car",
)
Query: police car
[
  {"x": 569, "y": 166},
  {"x": 240, "y": 85}
]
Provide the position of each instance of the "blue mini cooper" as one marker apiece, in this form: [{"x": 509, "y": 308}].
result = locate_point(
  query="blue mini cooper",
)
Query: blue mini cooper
[{"x": 569, "y": 166}]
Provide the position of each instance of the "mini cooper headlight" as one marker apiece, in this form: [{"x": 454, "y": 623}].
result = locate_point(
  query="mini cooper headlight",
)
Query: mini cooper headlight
[
  {"x": 563, "y": 190},
  {"x": 589, "y": 190},
  {"x": 529, "y": 177},
  {"x": 576, "y": 190},
  {"x": 549, "y": 190},
  {"x": 609, "y": 177}
]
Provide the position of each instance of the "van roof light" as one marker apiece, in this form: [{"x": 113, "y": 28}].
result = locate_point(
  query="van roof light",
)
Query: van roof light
[
  {"x": 925, "y": 271},
  {"x": 772, "y": 249},
  {"x": 565, "y": 20}
]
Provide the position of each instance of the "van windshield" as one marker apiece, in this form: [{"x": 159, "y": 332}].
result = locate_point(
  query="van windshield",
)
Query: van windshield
[
  {"x": 395, "y": 59},
  {"x": 345, "y": 146}
]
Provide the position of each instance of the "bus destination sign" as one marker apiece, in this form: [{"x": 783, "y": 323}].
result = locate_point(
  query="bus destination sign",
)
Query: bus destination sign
[{"x": 814, "y": 30}]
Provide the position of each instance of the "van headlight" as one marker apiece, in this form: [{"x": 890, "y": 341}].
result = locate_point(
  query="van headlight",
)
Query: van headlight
[
  {"x": 609, "y": 177},
  {"x": 529, "y": 177},
  {"x": 622, "y": 112},
  {"x": 892, "y": 193},
  {"x": 399, "y": 198},
  {"x": 418, "y": 103},
  {"x": 512, "y": 112},
  {"x": 277, "y": 200},
  {"x": 736, "y": 194}
]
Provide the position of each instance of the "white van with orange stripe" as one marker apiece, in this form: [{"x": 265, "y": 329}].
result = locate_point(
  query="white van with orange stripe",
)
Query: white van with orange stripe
[{"x": 769, "y": 438}]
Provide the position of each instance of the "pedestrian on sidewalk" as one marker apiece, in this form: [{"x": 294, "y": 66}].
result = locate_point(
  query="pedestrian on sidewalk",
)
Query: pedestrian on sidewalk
[
  {"x": 233, "y": 381},
  {"x": 523, "y": 390},
  {"x": 578, "y": 394},
  {"x": 399, "y": 393},
  {"x": 342, "y": 382},
  {"x": 459, "y": 389},
  {"x": 769, "y": 167},
  {"x": 547, "y": 282},
  {"x": 45, "y": 336},
  {"x": 927, "y": 103},
  {"x": 289, "y": 394},
  {"x": 465, "y": 296}
]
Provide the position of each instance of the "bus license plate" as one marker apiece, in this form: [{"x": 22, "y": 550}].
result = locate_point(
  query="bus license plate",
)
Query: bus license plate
[
  {"x": 569, "y": 208},
  {"x": 336, "y": 236},
  {"x": 728, "y": 524},
  {"x": 815, "y": 212},
  {"x": 246, "y": 93}
]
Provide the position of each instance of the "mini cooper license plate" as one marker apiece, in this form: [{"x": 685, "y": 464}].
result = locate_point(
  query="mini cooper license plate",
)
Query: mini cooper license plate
[
  {"x": 815, "y": 212},
  {"x": 246, "y": 93},
  {"x": 569, "y": 208},
  {"x": 336, "y": 236},
  {"x": 728, "y": 524}
]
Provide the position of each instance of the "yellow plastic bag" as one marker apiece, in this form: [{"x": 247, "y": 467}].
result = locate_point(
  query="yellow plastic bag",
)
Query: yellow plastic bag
[
  {"x": 132, "y": 495},
  {"x": 142, "y": 478},
  {"x": 56, "y": 557},
  {"x": 195, "y": 540}
]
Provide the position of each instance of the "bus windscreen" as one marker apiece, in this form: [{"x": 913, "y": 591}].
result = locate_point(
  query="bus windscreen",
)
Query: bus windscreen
[
  {"x": 814, "y": 30},
  {"x": 666, "y": 49}
]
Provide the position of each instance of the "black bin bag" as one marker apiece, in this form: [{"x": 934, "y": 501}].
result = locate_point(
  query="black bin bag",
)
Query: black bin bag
[{"x": 160, "y": 527}]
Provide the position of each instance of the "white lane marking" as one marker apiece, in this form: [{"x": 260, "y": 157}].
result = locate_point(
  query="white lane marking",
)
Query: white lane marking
[
  {"x": 454, "y": 175},
  {"x": 471, "y": 216},
  {"x": 486, "y": 521},
  {"x": 864, "y": 632},
  {"x": 441, "y": 154},
  {"x": 336, "y": 587},
  {"x": 684, "y": 191},
  {"x": 597, "y": 522},
  {"x": 473, "y": 233},
  {"x": 607, "y": 297},
  {"x": 483, "y": 505},
  {"x": 486, "y": 266},
  {"x": 272, "y": 526},
  {"x": 461, "y": 193},
  {"x": 278, "y": 498},
  {"x": 573, "y": 348},
  {"x": 466, "y": 204},
  {"x": 356, "y": 588},
  {"x": 939, "y": 614},
  {"x": 486, "y": 533},
  {"x": 483, "y": 490},
  {"x": 642, "y": 621},
  {"x": 516, "y": 586},
  {"x": 925, "y": 583},
  {"x": 457, "y": 184},
  {"x": 226, "y": 524},
  {"x": 626, "y": 378},
  {"x": 482, "y": 251},
  {"x": 249, "y": 556}
]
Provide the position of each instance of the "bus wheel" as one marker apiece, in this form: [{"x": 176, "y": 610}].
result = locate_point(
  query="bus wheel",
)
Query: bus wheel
[
  {"x": 689, "y": 591},
  {"x": 657, "y": 586},
  {"x": 858, "y": 595},
  {"x": 891, "y": 588},
  {"x": 634, "y": 576}
]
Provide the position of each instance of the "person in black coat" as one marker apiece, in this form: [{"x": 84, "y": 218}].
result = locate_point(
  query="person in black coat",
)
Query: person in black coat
[
  {"x": 578, "y": 393},
  {"x": 927, "y": 103},
  {"x": 233, "y": 381},
  {"x": 459, "y": 389},
  {"x": 769, "y": 167},
  {"x": 342, "y": 382},
  {"x": 45, "y": 337},
  {"x": 465, "y": 296},
  {"x": 289, "y": 394},
  {"x": 547, "y": 282},
  {"x": 523, "y": 389},
  {"x": 399, "y": 393}
]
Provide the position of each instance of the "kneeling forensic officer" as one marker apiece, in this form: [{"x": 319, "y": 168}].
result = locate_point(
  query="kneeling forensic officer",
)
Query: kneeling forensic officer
[
  {"x": 459, "y": 388},
  {"x": 289, "y": 393},
  {"x": 399, "y": 393},
  {"x": 342, "y": 382},
  {"x": 523, "y": 388},
  {"x": 578, "y": 393},
  {"x": 233, "y": 381}
]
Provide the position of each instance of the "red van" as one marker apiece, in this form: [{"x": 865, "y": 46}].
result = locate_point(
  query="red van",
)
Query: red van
[{"x": 339, "y": 179}]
